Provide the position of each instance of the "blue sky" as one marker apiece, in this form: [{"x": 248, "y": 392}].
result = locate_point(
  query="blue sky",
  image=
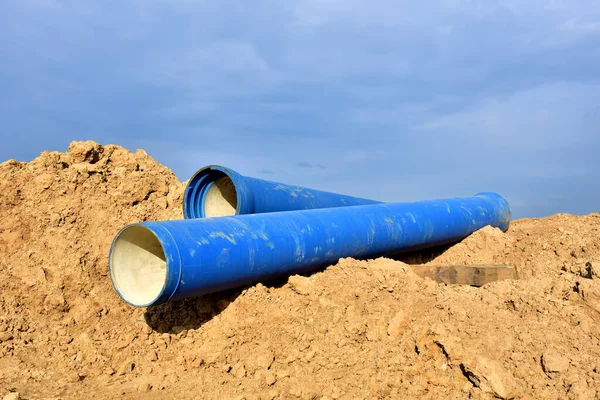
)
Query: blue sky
[{"x": 388, "y": 99}]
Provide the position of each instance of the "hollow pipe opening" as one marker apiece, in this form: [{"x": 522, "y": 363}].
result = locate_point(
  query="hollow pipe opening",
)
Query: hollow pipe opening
[
  {"x": 138, "y": 266},
  {"x": 211, "y": 193},
  {"x": 221, "y": 198}
]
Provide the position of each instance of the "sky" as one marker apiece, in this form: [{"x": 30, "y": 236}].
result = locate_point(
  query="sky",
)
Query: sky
[{"x": 392, "y": 100}]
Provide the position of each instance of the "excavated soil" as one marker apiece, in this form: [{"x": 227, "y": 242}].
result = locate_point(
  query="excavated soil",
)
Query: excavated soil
[{"x": 358, "y": 329}]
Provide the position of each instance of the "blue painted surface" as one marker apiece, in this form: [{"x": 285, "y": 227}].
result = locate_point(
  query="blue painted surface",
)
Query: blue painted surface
[
  {"x": 214, "y": 254},
  {"x": 255, "y": 196}
]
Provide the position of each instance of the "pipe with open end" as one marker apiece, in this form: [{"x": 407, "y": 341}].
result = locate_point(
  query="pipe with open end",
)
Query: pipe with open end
[
  {"x": 216, "y": 191},
  {"x": 154, "y": 262}
]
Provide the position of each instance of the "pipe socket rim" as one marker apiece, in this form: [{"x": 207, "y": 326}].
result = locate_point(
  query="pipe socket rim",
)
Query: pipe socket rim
[
  {"x": 144, "y": 265},
  {"x": 211, "y": 192}
]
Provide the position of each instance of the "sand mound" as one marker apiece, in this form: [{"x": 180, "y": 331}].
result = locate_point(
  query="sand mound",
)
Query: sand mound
[
  {"x": 359, "y": 329},
  {"x": 486, "y": 246}
]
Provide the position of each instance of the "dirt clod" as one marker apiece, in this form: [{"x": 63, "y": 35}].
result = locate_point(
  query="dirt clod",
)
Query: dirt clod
[
  {"x": 491, "y": 377},
  {"x": 552, "y": 361}
]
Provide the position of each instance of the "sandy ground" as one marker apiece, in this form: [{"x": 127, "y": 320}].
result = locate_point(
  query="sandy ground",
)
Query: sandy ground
[{"x": 358, "y": 329}]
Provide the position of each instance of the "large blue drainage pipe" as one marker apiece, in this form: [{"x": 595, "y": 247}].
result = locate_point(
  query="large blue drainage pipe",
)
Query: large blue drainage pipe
[
  {"x": 154, "y": 262},
  {"x": 216, "y": 191}
]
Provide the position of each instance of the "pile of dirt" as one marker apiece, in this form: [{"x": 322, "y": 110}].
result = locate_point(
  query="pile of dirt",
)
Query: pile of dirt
[{"x": 359, "y": 329}]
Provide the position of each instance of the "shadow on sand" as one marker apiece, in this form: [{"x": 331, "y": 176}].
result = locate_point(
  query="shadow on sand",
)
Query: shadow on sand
[{"x": 176, "y": 316}]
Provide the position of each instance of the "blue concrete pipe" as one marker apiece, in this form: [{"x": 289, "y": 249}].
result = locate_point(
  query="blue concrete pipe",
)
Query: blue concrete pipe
[
  {"x": 154, "y": 262},
  {"x": 216, "y": 191}
]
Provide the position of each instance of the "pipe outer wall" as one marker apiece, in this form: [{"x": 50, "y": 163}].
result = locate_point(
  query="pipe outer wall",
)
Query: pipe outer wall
[{"x": 256, "y": 196}]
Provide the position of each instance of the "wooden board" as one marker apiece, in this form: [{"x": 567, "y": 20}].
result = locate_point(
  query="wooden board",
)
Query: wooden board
[{"x": 474, "y": 275}]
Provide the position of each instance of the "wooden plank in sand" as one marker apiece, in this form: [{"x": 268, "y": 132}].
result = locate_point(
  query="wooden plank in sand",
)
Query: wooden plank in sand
[{"x": 474, "y": 275}]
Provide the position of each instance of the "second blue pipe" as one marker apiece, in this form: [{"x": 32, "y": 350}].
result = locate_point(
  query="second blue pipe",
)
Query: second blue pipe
[{"x": 217, "y": 191}]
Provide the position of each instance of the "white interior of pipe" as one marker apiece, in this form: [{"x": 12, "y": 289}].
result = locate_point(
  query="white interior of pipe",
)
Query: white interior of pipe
[
  {"x": 138, "y": 265},
  {"x": 221, "y": 198}
]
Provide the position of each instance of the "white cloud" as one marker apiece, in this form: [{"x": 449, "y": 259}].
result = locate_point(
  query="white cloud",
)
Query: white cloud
[
  {"x": 579, "y": 27},
  {"x": 535, "y": 118},
  {"x": 206, "y": 66}
]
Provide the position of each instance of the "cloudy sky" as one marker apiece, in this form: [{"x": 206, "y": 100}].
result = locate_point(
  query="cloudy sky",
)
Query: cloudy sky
[{"x": 389, "y": 99}]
